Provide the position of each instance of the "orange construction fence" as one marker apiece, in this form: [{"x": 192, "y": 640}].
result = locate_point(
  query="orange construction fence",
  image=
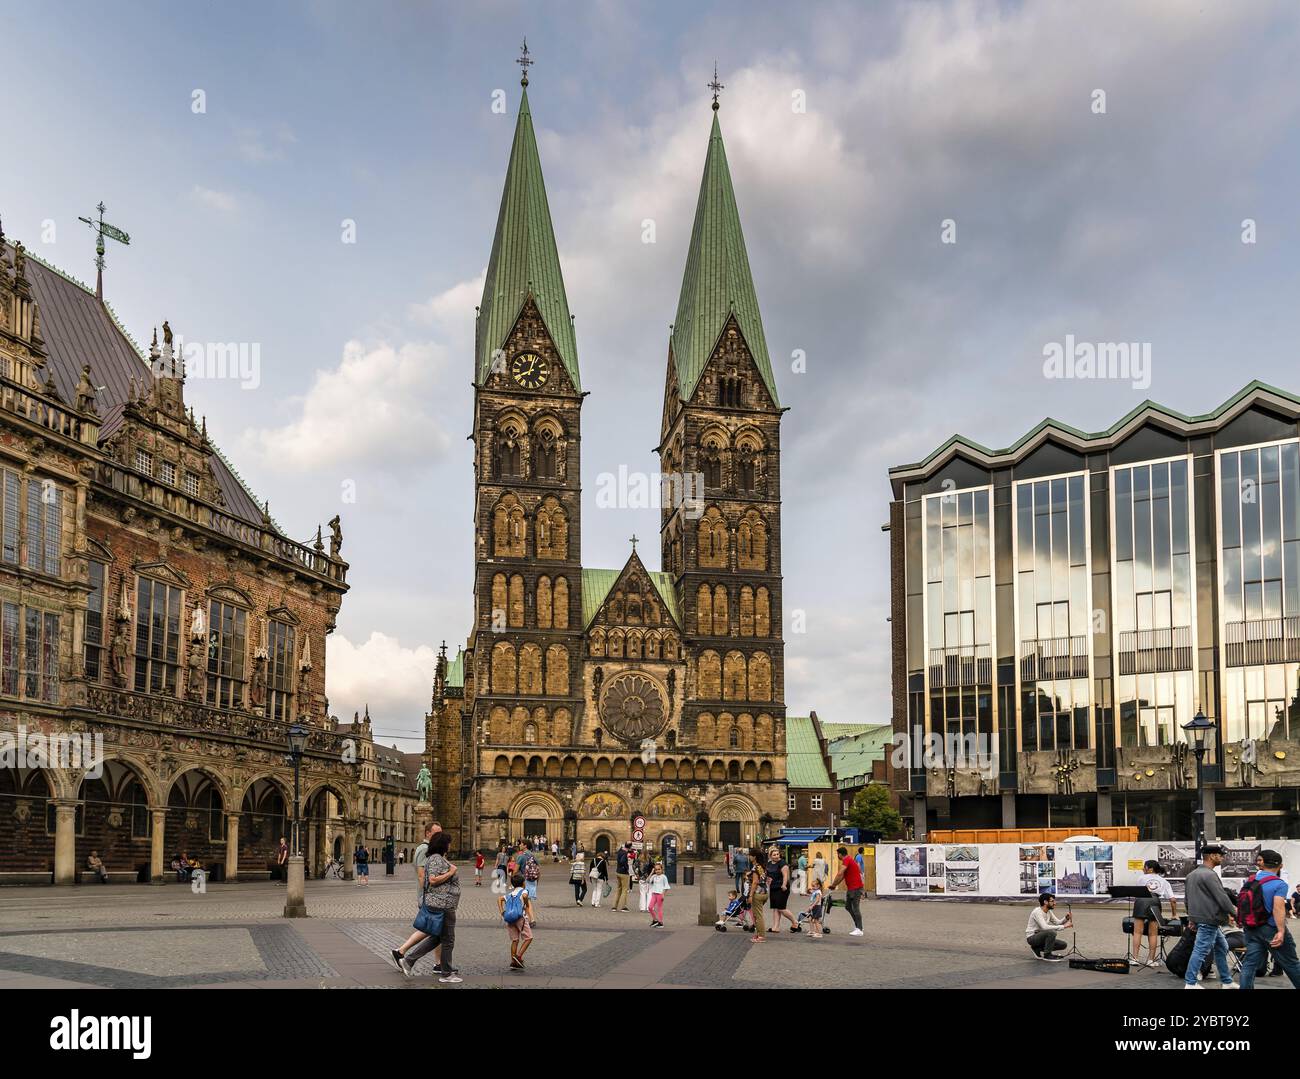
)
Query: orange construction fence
[{"x": 1030, "y": 835}]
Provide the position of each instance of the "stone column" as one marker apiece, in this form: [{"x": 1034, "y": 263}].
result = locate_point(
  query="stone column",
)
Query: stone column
[
  {"x": 295, "y": 903},
  {"x": 349, "y": 845},
  {"x": 1008, "y": 809},
  {"x": 232, "y": 846},
  {"x": 65, "y": 842},
  {"x": 1103, "y": 809},
  {"x": 159, "y": 837},
  {"x": 708, "y": 893}
]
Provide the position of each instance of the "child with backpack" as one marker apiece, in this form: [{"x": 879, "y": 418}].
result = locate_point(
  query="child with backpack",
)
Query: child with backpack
[{"x": 517, "y": 914}]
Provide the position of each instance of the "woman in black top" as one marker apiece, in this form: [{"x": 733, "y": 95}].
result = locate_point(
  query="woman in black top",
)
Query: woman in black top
[{"x": 778, "y": 890}]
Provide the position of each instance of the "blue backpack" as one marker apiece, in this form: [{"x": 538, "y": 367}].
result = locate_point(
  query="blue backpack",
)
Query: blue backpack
[{"x": 513, "y": 911}]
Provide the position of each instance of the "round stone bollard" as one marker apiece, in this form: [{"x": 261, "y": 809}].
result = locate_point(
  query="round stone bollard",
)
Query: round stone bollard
[
  {"x": 708, "y": 894},
  {"x": 295, "y": 904}
]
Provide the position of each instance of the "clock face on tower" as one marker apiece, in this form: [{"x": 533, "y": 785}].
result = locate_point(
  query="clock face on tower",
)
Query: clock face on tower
[{"x": 529, "y": 370}]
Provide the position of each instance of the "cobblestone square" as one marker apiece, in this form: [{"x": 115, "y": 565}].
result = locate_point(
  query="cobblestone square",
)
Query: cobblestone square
[{"x": 140, "y": 937}]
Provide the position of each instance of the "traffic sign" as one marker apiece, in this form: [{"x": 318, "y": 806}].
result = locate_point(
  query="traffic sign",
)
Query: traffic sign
[
  {"x": 638, "y": 822},
  {"x": 637, "y": 835}
]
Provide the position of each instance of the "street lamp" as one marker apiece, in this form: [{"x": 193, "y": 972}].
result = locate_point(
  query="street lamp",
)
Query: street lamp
[
  {"x": 1199, "y": 729},
  {"x": 295, "y": 904},
  {"x": 297, "y": 746}
]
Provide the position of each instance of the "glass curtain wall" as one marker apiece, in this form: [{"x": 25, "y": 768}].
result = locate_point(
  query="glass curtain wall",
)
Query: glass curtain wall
[
  {"x": 959, "y": 611},
  {"x": 1259, "y": 519},
  {"x": 1053, "y": 613},
  {"x": 1153, "y": 643}
]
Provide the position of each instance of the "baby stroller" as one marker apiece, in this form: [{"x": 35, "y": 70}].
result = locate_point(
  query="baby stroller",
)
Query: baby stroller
[{"x": 734, "y": 914}]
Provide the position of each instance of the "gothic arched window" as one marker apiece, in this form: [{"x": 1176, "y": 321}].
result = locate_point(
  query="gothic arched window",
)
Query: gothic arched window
[
  {"x": 545, "y": 455},
  {"x": 509, "y": 452},
  {"x": 712, "y": 461}
]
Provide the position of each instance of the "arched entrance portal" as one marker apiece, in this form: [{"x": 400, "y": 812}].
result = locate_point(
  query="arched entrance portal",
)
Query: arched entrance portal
[
  {"x": 263, "y": 819},
  {"x": 733, "y": 822},
  {"x": 536, "y": 813},
  {"x": 323, "y": 812},
  {"x": 116, "y": 822},
  {"x": 27, "y": 821},
  {"x": 196, "y": 822}
]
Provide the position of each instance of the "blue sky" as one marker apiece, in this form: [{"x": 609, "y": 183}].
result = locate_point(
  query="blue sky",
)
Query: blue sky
[{"x": 1117, "y": 226}]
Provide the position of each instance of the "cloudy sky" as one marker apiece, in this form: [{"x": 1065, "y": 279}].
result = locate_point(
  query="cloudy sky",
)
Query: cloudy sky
[{"x": 1095, "y": 163}]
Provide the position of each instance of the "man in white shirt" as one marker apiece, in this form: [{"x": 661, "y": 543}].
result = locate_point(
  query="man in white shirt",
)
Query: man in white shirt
[
  {"x": 1040, "y": 933},
  {"x": 1147, "y": 912}
]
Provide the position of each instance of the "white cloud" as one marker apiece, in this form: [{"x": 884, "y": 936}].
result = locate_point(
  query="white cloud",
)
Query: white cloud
[
  {"x": 257, "y": 146},
  {"x": 373, "y": 408},
  {"x": 394, "y": 681},
  {"x": 222, "y": 201},
  {"x": 453, "y": 310}
]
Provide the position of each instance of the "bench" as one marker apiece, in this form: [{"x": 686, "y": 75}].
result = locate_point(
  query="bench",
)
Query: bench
[{"x": 22, "y": 876}]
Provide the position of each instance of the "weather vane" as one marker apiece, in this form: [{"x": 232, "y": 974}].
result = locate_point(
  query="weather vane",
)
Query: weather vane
[
  {"x": 716, "y": 86},
  {"x": 525, "y": 61},
  {"x": 101, "y": 229}
]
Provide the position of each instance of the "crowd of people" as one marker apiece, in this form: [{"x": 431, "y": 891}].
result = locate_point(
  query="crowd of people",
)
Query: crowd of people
[
  {"x": 764, "y": 881},
  {"x": 1256, "y": 916}
]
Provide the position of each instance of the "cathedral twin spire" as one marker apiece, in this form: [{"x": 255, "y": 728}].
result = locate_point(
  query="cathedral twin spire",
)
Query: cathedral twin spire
[{"x": 525, "y": 261}]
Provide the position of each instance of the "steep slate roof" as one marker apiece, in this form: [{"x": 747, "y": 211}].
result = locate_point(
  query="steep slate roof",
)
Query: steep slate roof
[
  {"x": 717, "y": 282},
  {"x": 804, "y": 766},
  {"x": 78, "y": 329},
  {"x": 597, "y": 583},
  {"x": 1096, "y": 441},
  {"x": 524, "y": 259}
]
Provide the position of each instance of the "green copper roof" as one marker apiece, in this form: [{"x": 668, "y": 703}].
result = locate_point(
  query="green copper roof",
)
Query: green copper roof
[
  {"x": 804, "y": 765},
  {"x": 1250, "y": 390},
  {"x": 456, "y": 670},
  {"x": 596, "y": 585},
  {"x": 524, "y": 259},
  {"x": 717, "y": 282},
  {"x": 853, "y": 755}
]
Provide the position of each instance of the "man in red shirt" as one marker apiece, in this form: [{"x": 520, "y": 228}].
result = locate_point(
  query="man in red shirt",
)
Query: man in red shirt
[
  {"x": 478, "y": 869},
  {"x": 851, "y": 875}
]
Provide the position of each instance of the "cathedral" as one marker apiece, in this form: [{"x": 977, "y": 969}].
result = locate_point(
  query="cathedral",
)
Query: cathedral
[{"x": 585, "y": 698}]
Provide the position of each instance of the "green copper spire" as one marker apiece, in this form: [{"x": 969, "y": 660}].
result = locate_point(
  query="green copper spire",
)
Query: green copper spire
[
  {"x": 717, "y": 282},
  {"x": 524, "y": 258}
]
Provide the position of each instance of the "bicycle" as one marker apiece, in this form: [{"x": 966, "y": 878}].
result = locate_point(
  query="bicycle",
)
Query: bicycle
[{"x": 333, "y": 868}]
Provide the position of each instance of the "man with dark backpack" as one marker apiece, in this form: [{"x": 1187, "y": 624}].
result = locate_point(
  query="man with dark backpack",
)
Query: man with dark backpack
[
  {"x": 1261, "y": 911},
  {"x": 1208, "y": 908}
]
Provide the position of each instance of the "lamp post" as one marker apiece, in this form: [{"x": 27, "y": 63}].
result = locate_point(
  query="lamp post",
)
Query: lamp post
[
  {"x": 295, "y": 904},
  {"x": 1199, "y": 729}
]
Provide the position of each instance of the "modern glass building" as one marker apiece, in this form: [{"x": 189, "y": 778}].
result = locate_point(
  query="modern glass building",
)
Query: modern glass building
[{"x": 1062, "y": 607}]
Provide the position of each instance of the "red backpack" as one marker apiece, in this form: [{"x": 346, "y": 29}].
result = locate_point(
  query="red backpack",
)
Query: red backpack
[{"x": 1251, "y": 909}]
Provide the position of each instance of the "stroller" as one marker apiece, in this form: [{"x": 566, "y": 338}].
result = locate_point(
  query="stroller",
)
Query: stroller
[{"x": 734, "y": 914}]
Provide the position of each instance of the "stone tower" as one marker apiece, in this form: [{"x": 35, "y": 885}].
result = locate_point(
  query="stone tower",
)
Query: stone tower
[
  {"x": 526, "y": 638},
  {"x": 721, "y": 540}
]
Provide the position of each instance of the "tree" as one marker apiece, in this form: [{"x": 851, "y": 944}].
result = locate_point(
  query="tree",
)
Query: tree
[{"x": 872, "y": 812}]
